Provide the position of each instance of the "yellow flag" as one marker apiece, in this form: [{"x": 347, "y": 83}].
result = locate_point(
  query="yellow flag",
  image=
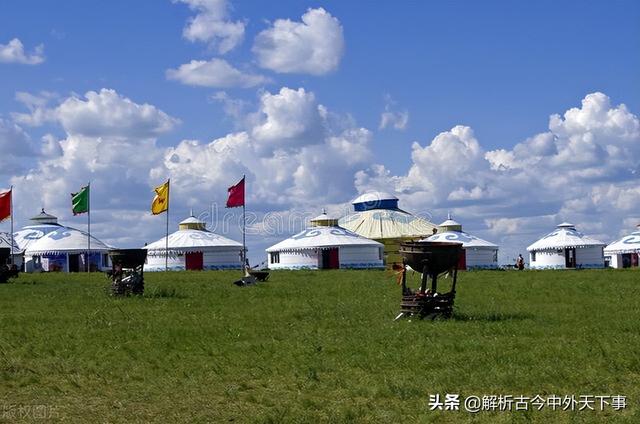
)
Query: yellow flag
[{"x": 161, "y": 201}]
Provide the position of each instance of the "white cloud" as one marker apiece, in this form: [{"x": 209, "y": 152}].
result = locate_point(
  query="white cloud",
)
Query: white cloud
[
  {"x": 583, "y": 169},
  {"x": 291, "y": 152},
  {"x": 107, "y": 113},
  {"x": 313, "y": 46},
  {"x": 397, "y": 119},
  {"x": 216, "y": 73},
  {"x": 211, "y": 24},
  {"x": 13, "y": 52},
  {"x": 111, "y": 141}
]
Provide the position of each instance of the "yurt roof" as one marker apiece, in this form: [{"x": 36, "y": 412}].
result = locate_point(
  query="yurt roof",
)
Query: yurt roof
[
  {"x": 449, "y": 223},
  {"x": 191, "y": 220},
  {"x": 387, "y": 223},
  {"x": 192, "y": 241},
  {"x": 5, "y": 241},
  {"x": 65, "y": 240},
  {"x": 564, "y": 236},
  {"x": 374, "y": 196},
  {"x": 44, "y": 218},
  {"x": 322, "y": 237},
  {"x": 375, "y": 200},
  {"x": 468, "y": 241},
  {"x": 627, "y": 244},
  {"x": 32, "y": 233}
]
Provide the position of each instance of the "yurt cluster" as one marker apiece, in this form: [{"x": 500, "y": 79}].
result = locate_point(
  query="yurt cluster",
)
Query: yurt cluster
[{"x": 367, "y": 238}]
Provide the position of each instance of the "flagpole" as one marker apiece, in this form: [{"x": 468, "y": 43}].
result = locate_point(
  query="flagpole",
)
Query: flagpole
[
  {"x": 11, "y": 211},
  {"x": 166, "y": 246},
  {"x": 89, "y": 226},
  {"x": 244, "y": 223}
]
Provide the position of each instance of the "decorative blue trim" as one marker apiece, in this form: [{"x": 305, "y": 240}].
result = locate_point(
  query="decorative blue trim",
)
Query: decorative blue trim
[
  {"x": 376, "y": 204},
  {"x": 156, "y": 268}
]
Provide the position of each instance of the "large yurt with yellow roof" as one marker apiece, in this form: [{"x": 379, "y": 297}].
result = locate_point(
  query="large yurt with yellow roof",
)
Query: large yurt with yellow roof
[
  {"x": 193, "y": 247},
  {"x": 325, "y": 245},
  {"x": 377, "y": 216}
]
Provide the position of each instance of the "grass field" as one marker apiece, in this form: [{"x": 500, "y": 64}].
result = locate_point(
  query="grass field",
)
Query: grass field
[{"x": 314, "y": 347}]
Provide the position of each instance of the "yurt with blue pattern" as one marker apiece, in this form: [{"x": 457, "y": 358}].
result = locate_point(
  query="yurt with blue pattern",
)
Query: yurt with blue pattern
[
  {"x": 566, "y": 248},
  {"x": 193, "y": 248},
  {"x": 624, "y": 252},
  {"x": 325, "y": 245},
  {"x": 477, "y": 253}
]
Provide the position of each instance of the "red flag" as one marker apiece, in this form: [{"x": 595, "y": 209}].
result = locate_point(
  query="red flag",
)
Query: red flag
[
  {"x": 236, "y": 195},
  {"x": 5, "y": 205}
]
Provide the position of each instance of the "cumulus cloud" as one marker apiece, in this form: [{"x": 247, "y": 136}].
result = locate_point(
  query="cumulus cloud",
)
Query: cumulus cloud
[
  {"x": 211, "y": 24},
  {"x": 216, "y": 73},
  {"x": 289, "y": 149},
  {"x": 583, "y": 169},
  {"x": 13, "y": 52},
  {"x": 109, "y": 140},
  {"x": 313, "y": 46}
]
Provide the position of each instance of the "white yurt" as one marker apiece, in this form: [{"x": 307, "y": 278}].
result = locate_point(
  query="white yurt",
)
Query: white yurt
[
  {"x": 50, "y": 246},
  {"x": 623, "y": 253},
  {"x": 16, "y": 253},
  {"x": 325, "y": 245},
  {"x": 377, "y": 216},
  {"x": 193, "y": 247},
  {"x": 566, "y": 247},
  {"x": 478, "y": 253}
]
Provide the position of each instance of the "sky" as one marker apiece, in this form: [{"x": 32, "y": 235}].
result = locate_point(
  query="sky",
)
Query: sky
[{"x": 511, "y": 116}]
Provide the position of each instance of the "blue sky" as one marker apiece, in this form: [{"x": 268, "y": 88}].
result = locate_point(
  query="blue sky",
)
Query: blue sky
[{"x": 499, "y": 68}]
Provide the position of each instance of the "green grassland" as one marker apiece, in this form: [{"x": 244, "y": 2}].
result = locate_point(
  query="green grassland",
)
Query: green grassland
[{"x": 315, "y": 347}]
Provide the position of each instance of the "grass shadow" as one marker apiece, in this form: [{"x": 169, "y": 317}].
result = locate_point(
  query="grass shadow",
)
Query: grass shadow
[
  {"x": 490, "y": 317},
  {"x": 164, "y": 293}
]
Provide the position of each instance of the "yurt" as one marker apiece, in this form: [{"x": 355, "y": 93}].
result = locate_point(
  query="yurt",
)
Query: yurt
[
  {"x": 16, "y": 253},
  {"x": 325, "y": 245},
  {"x": 50, "y": 246},
  {"x": 377, "y": 216},
  {"x": 565, "y": 247},
  {"x": 193, "y": 247},
  {"x": 623, "y": 253},
  {"x": 477, "y": 253}
]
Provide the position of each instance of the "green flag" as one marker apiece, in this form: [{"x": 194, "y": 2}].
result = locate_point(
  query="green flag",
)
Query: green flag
[{"x": 80, "y": 201}]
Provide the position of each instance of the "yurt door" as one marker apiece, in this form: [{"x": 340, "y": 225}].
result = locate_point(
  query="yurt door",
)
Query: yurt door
[
  {"x": 570, "y": 258},
  {"x": 330, "y": 259},
  {"x": 74, "y": 263},
  {"x": 193, "y": 261},
  {"x": 462, "y": 260}
]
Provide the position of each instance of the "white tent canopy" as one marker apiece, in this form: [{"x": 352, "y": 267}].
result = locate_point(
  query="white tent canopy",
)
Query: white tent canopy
[
  {"x": 467, "y": 240},
  {"x": 564, "y": 236},
  {"x": 627, "y": 244},
  {"x": 322, "y": 237},
  {"x": 65, "y": 240},
  {"x": 192, "y": 241}
]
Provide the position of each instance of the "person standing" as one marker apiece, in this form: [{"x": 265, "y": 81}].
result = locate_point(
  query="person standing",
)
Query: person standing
[{"x": 520, "y": 262}]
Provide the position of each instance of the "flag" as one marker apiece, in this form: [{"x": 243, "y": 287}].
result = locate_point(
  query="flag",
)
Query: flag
[
  {"x": 5, "y": 205},
  {"x": 161, "y": 200},
  {"x": 236, "y": 195},
  {"x": 80, "y": 201}
]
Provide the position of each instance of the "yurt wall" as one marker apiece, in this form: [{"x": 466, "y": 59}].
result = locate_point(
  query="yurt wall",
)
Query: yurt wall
[
  {"x": 357, "y": 257},
  {"x": 590, "y": 257},
  {"x": 481, "y": 258}
]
